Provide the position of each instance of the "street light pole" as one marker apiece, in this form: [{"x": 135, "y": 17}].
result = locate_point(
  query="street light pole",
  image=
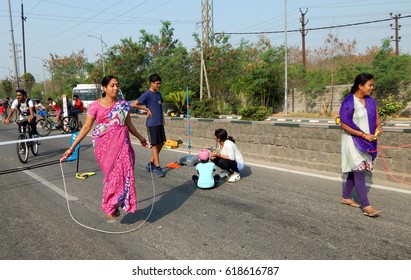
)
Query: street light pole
[
  {"x": 102, "y": 50},
  {"x": 44, "y": 74}
]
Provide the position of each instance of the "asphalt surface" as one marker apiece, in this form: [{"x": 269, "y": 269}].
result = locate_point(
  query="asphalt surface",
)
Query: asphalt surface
[{"x": 272, "y": 213}]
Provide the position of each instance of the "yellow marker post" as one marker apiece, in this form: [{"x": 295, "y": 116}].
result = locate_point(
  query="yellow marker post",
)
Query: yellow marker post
[{"x": 337, "y": 120}]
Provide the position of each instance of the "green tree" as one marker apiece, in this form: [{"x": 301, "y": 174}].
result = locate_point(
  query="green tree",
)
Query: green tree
[
  {"x": 263, "y": 74},
  {"x": 28, "y": 81},
  {"x": 167, "y": 57},
  {"x": 127, "y": 61},
  {"x": 391, "y": 71},
  {"x": 67, "y": 71},
  {"x": 7, "y": 87}
]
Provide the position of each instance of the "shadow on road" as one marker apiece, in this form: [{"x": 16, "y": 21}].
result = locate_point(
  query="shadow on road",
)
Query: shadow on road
[{"x": 168, "y": 202}]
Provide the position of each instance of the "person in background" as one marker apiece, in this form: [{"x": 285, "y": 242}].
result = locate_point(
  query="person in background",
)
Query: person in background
[
  {"x": 361, "y": 125},
  {"x": 41, "y": 110},
  {"x": 77, "y": 106},
  {"x": 155, "y": 122},
  {"x": 229, "y": 158},
  {"x": 1, "y": 112},
  {"x": 112, "y": 133},
  {"x": 6, "y": 105},
  {"x": 25, "y": 107},
  {"x": 55, "y": 107},
  {"x": 205, "y": 169}
]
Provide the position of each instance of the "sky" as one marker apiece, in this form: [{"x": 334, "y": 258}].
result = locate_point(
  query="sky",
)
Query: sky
[{"x": 62, "y": 27}]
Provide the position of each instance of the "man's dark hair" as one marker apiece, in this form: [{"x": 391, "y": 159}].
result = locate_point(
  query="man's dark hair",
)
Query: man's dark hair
[
  {"x": 22, "y": 91},
  {"x": 75, "y": 96},
  {"x": 154, "y": 78}
]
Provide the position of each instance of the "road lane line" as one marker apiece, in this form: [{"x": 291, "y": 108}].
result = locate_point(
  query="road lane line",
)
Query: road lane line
[
  {"x": 50, "y": 185},
  {"x": 337, "y": 179}
]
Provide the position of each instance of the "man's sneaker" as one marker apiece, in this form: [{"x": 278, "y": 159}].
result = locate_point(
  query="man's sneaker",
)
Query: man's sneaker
[
  {"x": 22, "y": 151},
  {"x": 223, "y": 174},
  {"x": 234, "y": 177},
  {"x": 159, "y": 172},
  {"x": 150, "y": 167}
]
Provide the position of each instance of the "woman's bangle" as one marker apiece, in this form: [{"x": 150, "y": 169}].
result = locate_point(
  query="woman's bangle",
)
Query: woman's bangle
[{"x": 70, "y": 149}]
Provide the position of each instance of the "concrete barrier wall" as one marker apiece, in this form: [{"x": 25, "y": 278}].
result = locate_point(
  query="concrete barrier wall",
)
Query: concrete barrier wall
[{"x": 308, "y": 145}]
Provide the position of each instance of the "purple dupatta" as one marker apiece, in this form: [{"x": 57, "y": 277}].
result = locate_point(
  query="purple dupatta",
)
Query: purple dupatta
[{"x": 346, "y": 116}]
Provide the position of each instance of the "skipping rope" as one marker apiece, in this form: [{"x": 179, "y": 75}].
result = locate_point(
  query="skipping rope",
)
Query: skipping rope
[
  {"x": 100, "y": 230},
  {"x": 380, "y": 149}
]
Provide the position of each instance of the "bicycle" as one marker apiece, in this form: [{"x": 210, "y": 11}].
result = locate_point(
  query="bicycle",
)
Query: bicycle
[
  {"x": 23, "y": 147},
  {"x": 45, "y": 125}
]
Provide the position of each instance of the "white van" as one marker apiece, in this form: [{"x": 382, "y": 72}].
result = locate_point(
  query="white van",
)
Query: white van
[{"x": 88, "y": 93}]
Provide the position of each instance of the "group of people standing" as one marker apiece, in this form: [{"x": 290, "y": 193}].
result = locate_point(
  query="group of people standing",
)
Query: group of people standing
[
  {"x": 112, "y": 133},
  {"x": 360, "y": 122}
]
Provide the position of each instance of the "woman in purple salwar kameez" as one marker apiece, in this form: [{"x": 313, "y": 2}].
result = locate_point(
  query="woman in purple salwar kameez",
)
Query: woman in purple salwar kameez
[
  {"x": 361, "y": 123},
  {"x": 112, "y": 148}
]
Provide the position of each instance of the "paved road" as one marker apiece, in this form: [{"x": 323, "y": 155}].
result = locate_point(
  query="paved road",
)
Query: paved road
[{"x": 270, "y": 214}]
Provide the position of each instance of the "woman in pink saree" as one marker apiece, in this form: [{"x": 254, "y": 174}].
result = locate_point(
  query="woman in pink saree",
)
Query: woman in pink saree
[{"x": 112, "y": 148}]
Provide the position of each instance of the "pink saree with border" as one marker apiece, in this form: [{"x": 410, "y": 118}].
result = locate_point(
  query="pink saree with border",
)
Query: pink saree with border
[{"x": 115, "y": 155}]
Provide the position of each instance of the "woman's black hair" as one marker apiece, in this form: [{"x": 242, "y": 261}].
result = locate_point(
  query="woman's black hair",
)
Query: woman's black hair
[
  {"x": 106, "y": 80},
  {"x": 361, "y": 79},
  {"x": 223, "y": 135}
]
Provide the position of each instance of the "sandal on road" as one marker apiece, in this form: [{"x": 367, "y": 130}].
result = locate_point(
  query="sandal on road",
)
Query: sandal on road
[
  {"x": 371, "y": 211},
  {"x": 350, "y": 202}
]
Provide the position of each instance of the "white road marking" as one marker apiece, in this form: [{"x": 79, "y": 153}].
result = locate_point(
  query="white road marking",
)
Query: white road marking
[
  {"x": 337, "y": 179},
  {"x": 50, "y": 185}
]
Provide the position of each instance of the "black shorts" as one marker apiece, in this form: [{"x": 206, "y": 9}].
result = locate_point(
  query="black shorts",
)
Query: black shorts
[{"x": 156, "y": 135}]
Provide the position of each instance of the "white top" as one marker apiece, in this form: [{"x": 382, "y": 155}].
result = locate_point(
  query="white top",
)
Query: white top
[
  {"x": 230, "y": 149},
  {"x": 40, "y": 106},
  {"x": 351, "y": 157},
  {"x": 23, "y": 107}
]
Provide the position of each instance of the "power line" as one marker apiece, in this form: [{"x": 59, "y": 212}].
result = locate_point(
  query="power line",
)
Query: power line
[{"x": 307, "y": 29}]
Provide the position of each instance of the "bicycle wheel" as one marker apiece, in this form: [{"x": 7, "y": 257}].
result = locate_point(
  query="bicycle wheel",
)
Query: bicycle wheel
[
  {"x": 22, "y": 149},
  {"x": 43, "y": 127},
  {"x": 34, "y": 145},
  {"x": 69, "y": 124}
]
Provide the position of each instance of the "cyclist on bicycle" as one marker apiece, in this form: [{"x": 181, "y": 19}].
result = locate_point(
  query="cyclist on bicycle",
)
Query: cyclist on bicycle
[
  {"x": 55, "y": 107},
  {"x": 26, "y": 109}
]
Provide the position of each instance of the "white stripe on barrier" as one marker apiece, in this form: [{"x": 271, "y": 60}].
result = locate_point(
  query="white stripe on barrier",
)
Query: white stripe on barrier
[{"x": 34, "y": 139}]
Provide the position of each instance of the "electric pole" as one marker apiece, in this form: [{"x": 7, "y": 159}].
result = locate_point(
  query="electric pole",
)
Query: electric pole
[
  {"x": 23, "y": 19},
  {"x": 207, "y": 35},
  {"x": 303, "y": 32},
  {"x": 396, "y": 28},
  {"x": 14, "y": 49}
]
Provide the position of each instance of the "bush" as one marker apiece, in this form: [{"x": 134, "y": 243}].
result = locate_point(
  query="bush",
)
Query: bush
[
  {"x": 255, "y": 113},
  {"x": 206, "y": 108},
  {"x": 389, "y": 107},
  {"x": 177, "y": 99}
]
